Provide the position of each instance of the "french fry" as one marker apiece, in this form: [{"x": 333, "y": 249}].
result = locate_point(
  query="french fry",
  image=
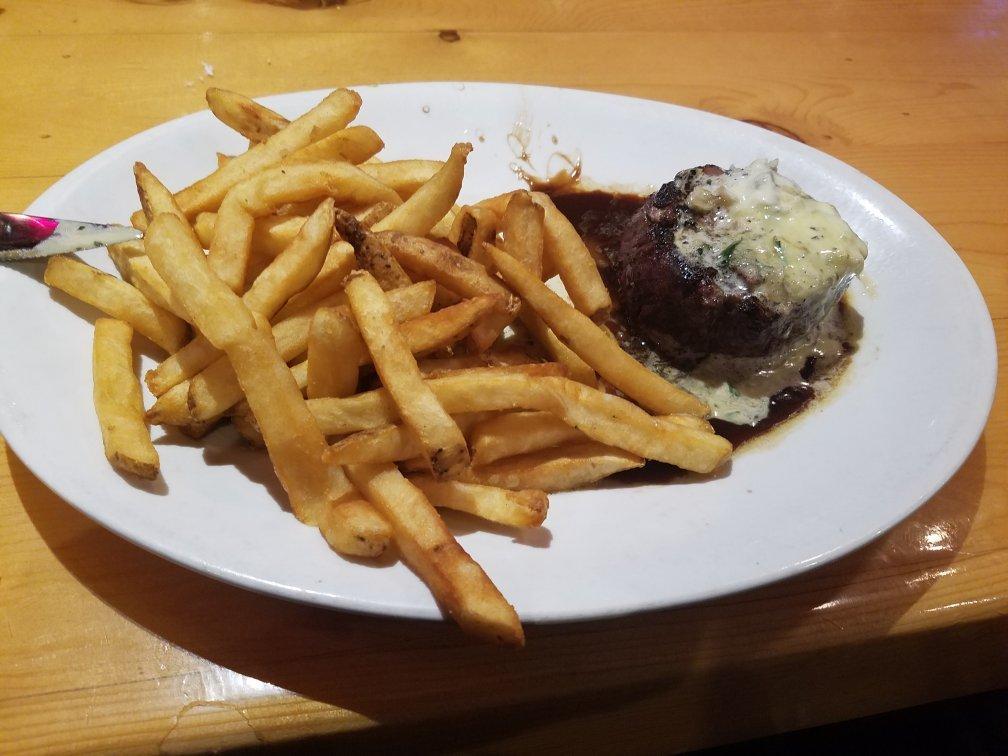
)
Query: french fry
[
  {"x": 118, "y": 403},
  {"x": 154, "y": 196},
  {"x": 288, "y": 274},
  {"x": 216, "y": 389},
  {"x": 390, "y": 443},
  {"x": 373, "y": 213},
  {"x": 245, "y": 423},
  {"x": 560, "y": 469},
  {"x": 522, "y": 227},
  {"x": 428, "y": 204},
  {"x": 261, "y": 194},
  {"x": 443, "y": 227},
  {"x": 354, "y": 145},
  {"x": 271, "y": 235},
  {"x": 122, "y": 254},
  {"x": 117, "y": 299},
  {"x": 255, "y": 122},
  {"x": 371, "y": 252},
  {"x": 457, "y": 582},
  {"x": 473, "y": 226},
  {"x": 593, "y": 346},
  {"x": 605, "y": 418},
  {"x": 429, "y": 259},
  {"x": 568, "y": 253},
  {"x": 296, "y": 447},
  {"x": 405, "y": 176},
  {"x": 340, "y": 260},
  {"x": 152, "y": 286},
  {"x": 514, "y": 433},
  {"x": 329, "y": 116},
  {"x": 335, "y": 350},
  {"x": 580, "y": 370},
  {"x": 520, "y": 509},
  {"x": 438, "y": 434},
  {"x": 433, "y": 366},
  {"x": 355, "y": 528}
]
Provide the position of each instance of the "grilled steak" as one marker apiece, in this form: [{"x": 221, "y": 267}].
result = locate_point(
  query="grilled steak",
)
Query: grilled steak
[{"x": 737, "y": 262}]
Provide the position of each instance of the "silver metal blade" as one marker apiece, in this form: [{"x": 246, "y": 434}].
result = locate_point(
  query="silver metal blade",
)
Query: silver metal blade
[{"x": 66, "y": 236}]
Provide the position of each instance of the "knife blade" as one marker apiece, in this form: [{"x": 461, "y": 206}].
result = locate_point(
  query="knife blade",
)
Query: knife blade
[{"x": 29, "y": 237}]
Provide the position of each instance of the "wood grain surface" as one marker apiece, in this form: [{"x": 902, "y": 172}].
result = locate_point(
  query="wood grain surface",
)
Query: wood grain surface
[{"x": 108, "y": 648}]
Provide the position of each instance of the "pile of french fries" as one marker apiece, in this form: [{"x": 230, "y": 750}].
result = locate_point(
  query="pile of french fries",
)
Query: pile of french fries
[{"x": 394, "y": 353}]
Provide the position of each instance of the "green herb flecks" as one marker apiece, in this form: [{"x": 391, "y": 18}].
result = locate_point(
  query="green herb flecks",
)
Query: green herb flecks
[{"x": 726, "y": 253}]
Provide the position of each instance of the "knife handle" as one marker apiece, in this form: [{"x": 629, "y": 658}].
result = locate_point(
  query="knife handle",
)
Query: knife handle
[{"x": 20, "y": 231}]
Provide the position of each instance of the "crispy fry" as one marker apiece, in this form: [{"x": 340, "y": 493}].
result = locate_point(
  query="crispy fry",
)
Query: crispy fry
[
  {"x": 438, "y": 434},
  {"x": 443, "y": 227},
  {"x": 154, "y": 196},
  {"x": 429, "y": 259},
  {"x": 216, "y": 389},
  {"x": 255, "y": 122},
  {"x": 568, "y": 253},
  {"x": 296, "y": 447},
  {"x": 432, "y": 366},
  {"x": 522, "y": 226},
  {"x": 371, "y": 252},
  {"x": 329, "y": 116},
  {"x": 593, "y": 346},
  {"x": 335, "y": 350},
  {"x": 473, "y": 226},
  {"x": 520, "y": 509},
  {"x": 270, "y": 236},
  {"x": 340, "y": 260},
  {"x": 580, "y": 370},
  {"x": 457, "y": 582},
  {"x": 355, "y": 528},
  {"x": 123, "y": 253},
  {"x": 118, "y": 402},
  {"x": 288, "y": 274},
  {"x": 354, "y": 145},
  {"x": 560, "y": 469},
  {"x": 605, "y": 418},
  {"x": 405, "y": 176},
  {"x": 428, "y": 204},
  {"x": 514, "y": 433},
  {"x": 245, "y": 423},
  {"x": 373, "y": 213},
  {"x": 152, "y": 286},
  {"x": 390, "y": 443},
  {"x": 261, "y": 194},
  {"x": 117, "y": 299}
]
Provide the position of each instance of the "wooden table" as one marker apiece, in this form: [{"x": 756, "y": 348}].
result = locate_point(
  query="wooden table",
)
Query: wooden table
[{"x": 106, "y": 647}]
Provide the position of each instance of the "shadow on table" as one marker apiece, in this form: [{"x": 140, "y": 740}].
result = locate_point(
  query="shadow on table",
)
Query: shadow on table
[{"x": 390, "y": 670}]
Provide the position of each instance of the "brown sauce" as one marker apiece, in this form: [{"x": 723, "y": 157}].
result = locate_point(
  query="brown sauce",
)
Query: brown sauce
[{"x": 600, "y": 218}]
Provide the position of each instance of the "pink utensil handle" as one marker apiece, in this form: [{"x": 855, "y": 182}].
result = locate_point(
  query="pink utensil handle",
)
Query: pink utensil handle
[{"x": 19, "y": 231}]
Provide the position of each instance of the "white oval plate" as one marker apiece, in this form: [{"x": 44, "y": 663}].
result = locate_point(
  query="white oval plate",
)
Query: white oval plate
[{"x": 912, "y": 407}]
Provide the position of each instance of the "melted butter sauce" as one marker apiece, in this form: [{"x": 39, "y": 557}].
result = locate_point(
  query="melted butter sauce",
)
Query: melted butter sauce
[{"x": 748, "y": 396}]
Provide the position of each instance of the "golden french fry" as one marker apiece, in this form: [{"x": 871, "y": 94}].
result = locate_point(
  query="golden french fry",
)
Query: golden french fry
[
  {"x": 373, "y": 213},
  {"x": 335, "y": 350},
  {"x": 329, "y": 116},
  {"x": 432, "y": 366},
  {"x": 271, "y": 234},
  {"x": 355, "y": 528},
  {"x": 152, "y": 286},
  {"x": 154, "y": 196},
  {"x": 522, "y": 227},
  {"x": 122, "y": 254},
  {"x": 514, "y": 433},
  {"x": 296, "y": 447},
  {"x": 580, "y": 370},
  {"x": 567, "y": 252},
  {"x": 261, "y": 194},
  {"x": 288, "y": 274},
  {"x": 255, "y": 122},
  {"x": 340, "y": 260},
  {"x": 390, "y": 443},
  {"x": 443, "y": 227},
  {"x": 439, "y": 435},
  {"x": 118, "y": 403},
  {"x": 428, "y": 204},
  {"x": 117, "y": 299},
  {"x": 405, "y": 176},
  {"x": 560, "y": 469},
  {"x": 216, "y": 389},
  {"x": 605, "y": 418},
  {"x": 371, "y": 252},
  {"x": 354, "y": 145},
  {"x": 245, "y": 423},
  {"x": 593, "y": 346},
  {"x": 520, "y": 509},
  {"x": 460, "y": 274},
  {"x": 457, "y": 582},
  {"x": 473, "y": 226}
]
